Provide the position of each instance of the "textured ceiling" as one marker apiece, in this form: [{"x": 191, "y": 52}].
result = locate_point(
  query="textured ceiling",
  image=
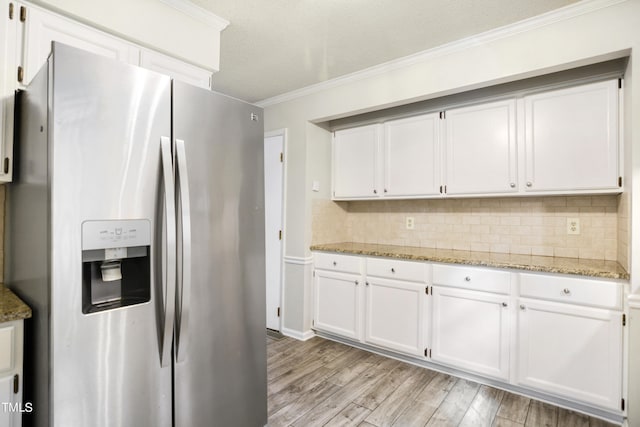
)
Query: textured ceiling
[{"x": 275, "y": 46}]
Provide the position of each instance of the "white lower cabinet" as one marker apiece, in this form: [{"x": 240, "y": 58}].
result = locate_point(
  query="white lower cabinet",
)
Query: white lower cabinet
[
  {"x": 394, "y": 315},
  {"x": 11, "y": 407},
  {"x": 337, "y": 303},
  {"x": 471, "y": 331},
  {"x": 571, "y": 351}
]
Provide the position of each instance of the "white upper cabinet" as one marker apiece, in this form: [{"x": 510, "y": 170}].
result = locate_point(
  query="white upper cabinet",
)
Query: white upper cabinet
[
  {"x": 355, "y": 162},
  {"x": 481, "y": 149},
  {"x": 175, "y": 68},
  {"x": 43, "y": 27},
  {"x": 571, "y": 139},
  {"x": 411, "y": 156}
]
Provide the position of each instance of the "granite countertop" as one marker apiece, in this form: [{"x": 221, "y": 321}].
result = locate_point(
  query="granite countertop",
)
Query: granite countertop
[
  {"x": 582, "y": 267},
  {"x": 11, "y": 307}
]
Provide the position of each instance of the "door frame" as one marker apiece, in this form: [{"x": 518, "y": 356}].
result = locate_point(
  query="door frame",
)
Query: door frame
[{"x": 283, "y": 133}]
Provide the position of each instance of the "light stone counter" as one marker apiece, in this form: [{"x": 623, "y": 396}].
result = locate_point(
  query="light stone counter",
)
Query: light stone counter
[
  {"x": 11, "y": 307},
  {"x": 582, "y": 267}
]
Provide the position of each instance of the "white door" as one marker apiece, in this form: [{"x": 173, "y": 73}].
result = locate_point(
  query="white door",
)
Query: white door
[
  {"x": 480, "y": 147},
  {"x": 273, "y": 208},
  {"x": 337, "y": 303},
  {"x": 471, "y": 331},
  {"x": 412, "y": 157},
  {"x": 394, "y": 315},
  {"x": 571, "y": 138},
  {"x": 355, "y": 162},
  {"x": 571, "y": 351}
]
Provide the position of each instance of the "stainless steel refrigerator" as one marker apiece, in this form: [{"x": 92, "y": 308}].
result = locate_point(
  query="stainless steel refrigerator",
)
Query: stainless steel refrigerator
[{"x": 135, "y": 231}]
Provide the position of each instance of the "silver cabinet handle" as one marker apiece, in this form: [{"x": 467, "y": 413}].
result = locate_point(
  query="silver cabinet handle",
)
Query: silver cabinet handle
[
  {"x": 529, "y": 184},
  {"x": 393, "y": 270},
  {"x": 522, "y": 307},
  {"x": 504, "y": 304},
  {"x": 566, "y": 291},
  {"x": 512, "y": 185},
  {"x": 184, "y": 276},
  {"x": 467, "y": 279},
  {"x": 171, "y": 251}
]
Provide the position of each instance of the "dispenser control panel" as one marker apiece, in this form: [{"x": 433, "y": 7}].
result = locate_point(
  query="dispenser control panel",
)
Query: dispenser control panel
[{"x": 115, "y": 234}]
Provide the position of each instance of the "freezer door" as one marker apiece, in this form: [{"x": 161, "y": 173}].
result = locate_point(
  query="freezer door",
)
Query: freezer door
[
  {"x": 220, "y": 371},
  {"x": 107, "y": 119}
]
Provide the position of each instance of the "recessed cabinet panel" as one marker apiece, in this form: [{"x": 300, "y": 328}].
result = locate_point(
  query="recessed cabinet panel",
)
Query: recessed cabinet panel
[
  {"x": 7, "y": 418},
  {"x": 6, "y": 348},
  {"x": 571, "y": 138},
  {"x": 44, "y": 27},
  {"x": 480, "y": 147},
  {"x": 355, "y": 162},
  {"x": 394, "y": 312},
  {"x": 471, "y": 331},
  {"x": 411, "y": 156},
  {"x": 337, "y": 303},
  {"x": 571, "y": 351}
]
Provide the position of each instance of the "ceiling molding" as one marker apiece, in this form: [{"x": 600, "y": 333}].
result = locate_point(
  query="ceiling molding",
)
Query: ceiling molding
[
  {"x": 562, "y": 14},
  {"x": 198, "y": 13}
]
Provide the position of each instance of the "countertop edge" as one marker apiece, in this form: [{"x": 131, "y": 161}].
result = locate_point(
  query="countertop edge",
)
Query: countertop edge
[
  {"x": 12, "y": 308},
  {"x": 601, "y": 273}
]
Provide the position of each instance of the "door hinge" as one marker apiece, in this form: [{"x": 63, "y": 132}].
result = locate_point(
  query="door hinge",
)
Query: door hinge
[
  {"x": 16, "y": 384},
  {"x": 278, "y": 311},
  {"x": 10, "y": 11},
  {"x": 619, "y": 181},
  {"x": 281, "y": 157},
  {"x": 20, "y": 73},
  {"x": 624, "y": 319},
  {"x": 23, "y": 14},
  {"x": 622, "y": 404},
  {"x": 279, "y": 234}
]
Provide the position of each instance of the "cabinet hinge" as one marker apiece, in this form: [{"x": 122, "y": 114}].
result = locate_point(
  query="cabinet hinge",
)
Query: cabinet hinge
[
  {"x": 281, "y": 157},
  {"x": 10, "y": 11},
  {"x": 620, "y": 83},
  {"x": 314, "y": 273},
  {"x": 445, "y": 189},
  {"x": 16, "y": 384},
  {"x": 313, "y": 322},
  {"x": 278, "y": 311},
  {"x": 622, "y": 404},
  {"x": 20, "y": 73},
  {"x": 426, "y": 290},
  {"x": 279, "y": 234},
  {"x": 6, "y": 165},
  {"x": 624, "y": 319},
  {"x": 619, "y": 181},
  {"x": 23, "y": 14},
  {"x": 441, "y": 189},
  {"x": 426, "y": 352}
]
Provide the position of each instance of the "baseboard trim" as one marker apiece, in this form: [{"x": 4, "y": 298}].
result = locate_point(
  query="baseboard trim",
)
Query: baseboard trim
[{"x": 300, "y": 336}]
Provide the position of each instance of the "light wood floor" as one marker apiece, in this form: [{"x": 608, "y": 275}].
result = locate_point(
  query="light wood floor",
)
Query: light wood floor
[{"x": 323, "y": 383}]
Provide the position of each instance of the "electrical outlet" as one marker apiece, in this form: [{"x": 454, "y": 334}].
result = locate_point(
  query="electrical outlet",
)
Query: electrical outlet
[
  {"x": 410, "y": 223},
  {"x": 573, "y": 225}
]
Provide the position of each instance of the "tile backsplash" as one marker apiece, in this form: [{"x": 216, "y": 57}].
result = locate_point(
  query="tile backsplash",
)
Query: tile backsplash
[{"x": 518, "y": 225}]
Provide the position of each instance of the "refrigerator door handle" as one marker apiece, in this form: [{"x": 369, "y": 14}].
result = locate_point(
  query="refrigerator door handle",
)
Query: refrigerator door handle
[
  {"x": 185, "y": 278},
  {"x": 170, "y": 267}
]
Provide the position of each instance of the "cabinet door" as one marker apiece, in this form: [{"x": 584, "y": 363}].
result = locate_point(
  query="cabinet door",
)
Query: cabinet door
[
  {"x": 412, "y": 157},
  {"x": 571, "y": 138},
  {"x": 10, "y": 39},
  {"x": 337, "y": 303},
  {"x": 471, "y": 331},
  {"x": 9, "y": 415},
  {"x": 394, "y": 315},
  {"x": 175, "y": 69},
  {"x": 42, "y": 27},
  {"x": 355, "y": 162},
  {"x": 572, "y": 351},
  {"x": 481, "y": 149}
]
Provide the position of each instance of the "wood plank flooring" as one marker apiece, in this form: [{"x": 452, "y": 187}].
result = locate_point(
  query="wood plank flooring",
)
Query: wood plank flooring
[{"x": 323, "y": 383}]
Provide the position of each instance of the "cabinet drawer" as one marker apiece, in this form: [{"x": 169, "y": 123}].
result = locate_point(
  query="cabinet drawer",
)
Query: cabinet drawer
[
  {"x": 335, "y": 262},
  {"x": 396, "y": 269},
  {"x": 599, "y": 293},
  {"x": 472, "y": 278}
]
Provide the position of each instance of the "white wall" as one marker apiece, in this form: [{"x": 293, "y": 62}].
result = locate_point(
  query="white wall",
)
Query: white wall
[
  {"x": 600, "y": 30},
  {"x": 151, "y": 23}
]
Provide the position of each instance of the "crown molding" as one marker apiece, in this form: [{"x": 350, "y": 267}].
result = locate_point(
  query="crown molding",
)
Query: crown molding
[
  {"x": 198, "y": 13},
  {"x": 558, "y": 15}
]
